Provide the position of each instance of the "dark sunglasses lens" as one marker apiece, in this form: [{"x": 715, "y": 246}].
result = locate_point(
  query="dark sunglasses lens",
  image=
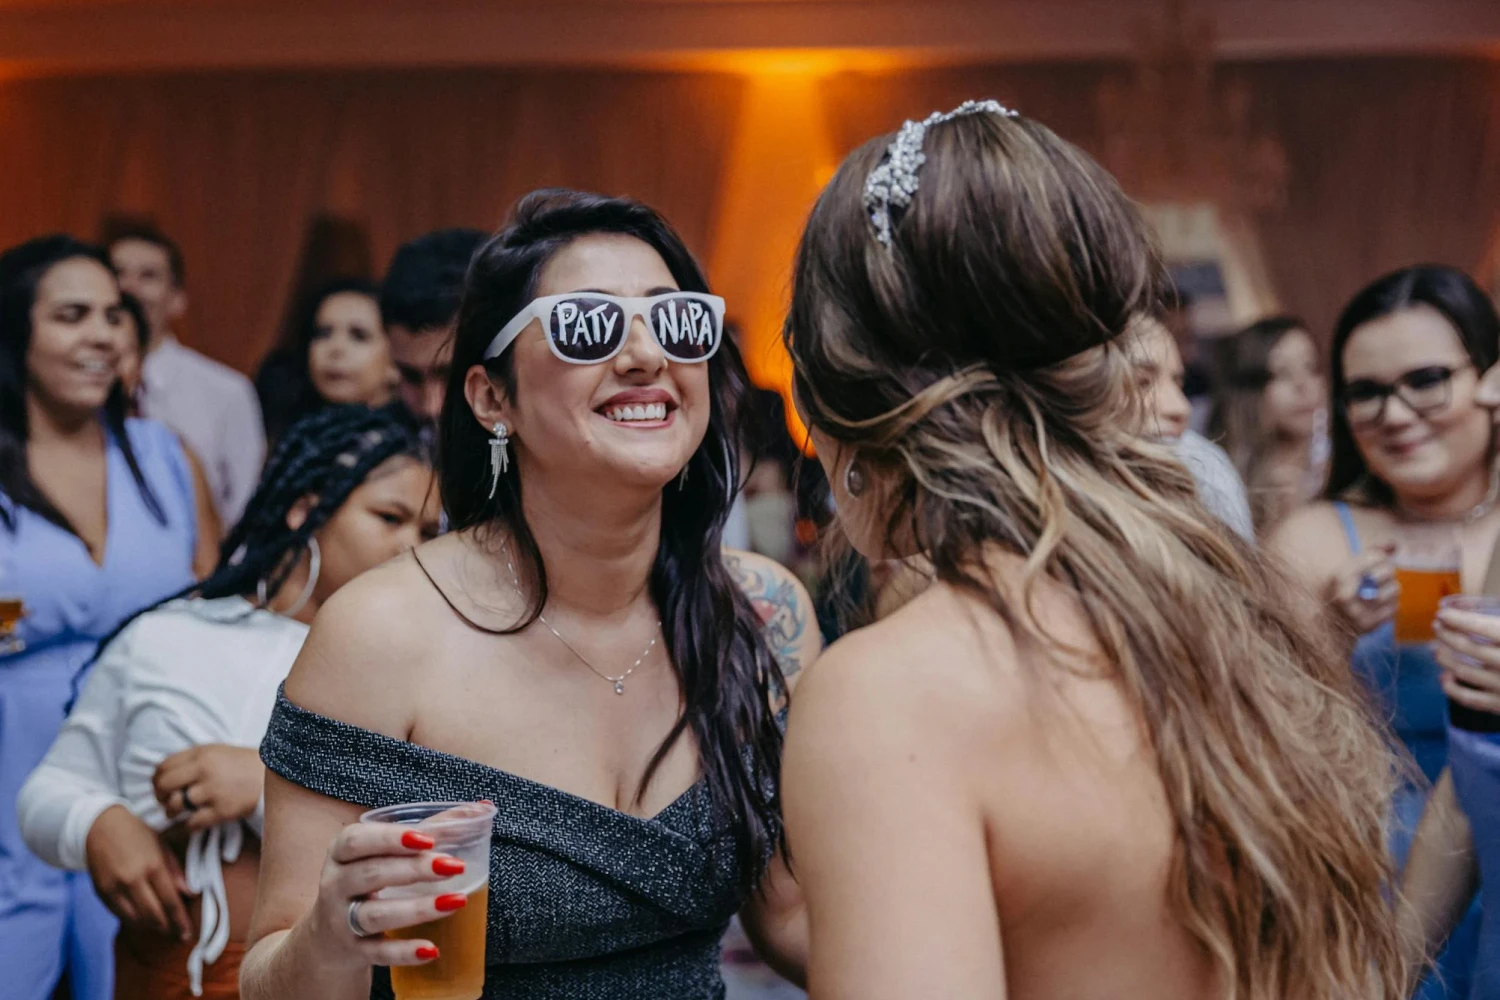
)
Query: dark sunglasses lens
[
  {"x": 686, "y": 327},
  {"x": 586, "y": 328}
]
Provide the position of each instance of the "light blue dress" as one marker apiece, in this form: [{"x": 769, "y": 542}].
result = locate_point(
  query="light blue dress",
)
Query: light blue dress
[
  {"x": 49, "y": 919},
  {"x": 1405, "y": 681},
  {"x": 1475, "y": 760}
]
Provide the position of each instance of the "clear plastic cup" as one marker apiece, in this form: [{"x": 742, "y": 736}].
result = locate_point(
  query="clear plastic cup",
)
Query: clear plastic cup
[
  {"x": 461, "y": 830},
  {"x": 1488, "y": 605},
  {"x": 1428, "y": 574}
]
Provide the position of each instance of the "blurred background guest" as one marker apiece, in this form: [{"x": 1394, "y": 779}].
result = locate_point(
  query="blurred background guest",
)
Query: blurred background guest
[
  {"x": 100, "y": 514},
  {"x": 764, "y": 518},
  {"x": 419, "y": 305},
  {"x": 166, "y": 730},
  {"x": 1409, "y": 513},
  {"x": 213, "y": 407},
  {"x": 1160, "y": 374},
  {"x": 1269, "y": 415},
  {"x": 341, "y": 355},
  {"x": 1175, "y": 313}
]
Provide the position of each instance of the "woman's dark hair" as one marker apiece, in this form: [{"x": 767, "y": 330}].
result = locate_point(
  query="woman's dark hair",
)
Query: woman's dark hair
[
  {"x": 132, "y": 307},
  {"x": 326, "y": 455},
  {"x": 22, "y": 269},
  {"x": 973, "y": 367},
  {"x": 285, "y": 380},
  {"x": 726, "y": 671},
  {"x": 1453, "y": 294}
]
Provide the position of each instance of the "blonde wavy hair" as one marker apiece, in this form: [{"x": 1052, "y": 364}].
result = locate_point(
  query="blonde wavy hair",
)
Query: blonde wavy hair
[{"x": 976, "y": 365}]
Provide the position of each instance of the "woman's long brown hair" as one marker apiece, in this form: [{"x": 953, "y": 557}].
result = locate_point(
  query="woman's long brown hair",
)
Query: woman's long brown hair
[{"x": 973, "y": 364}]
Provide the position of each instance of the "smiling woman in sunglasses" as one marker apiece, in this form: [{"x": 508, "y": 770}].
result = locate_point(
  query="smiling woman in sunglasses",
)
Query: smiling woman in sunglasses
[
  {"x": 1410, "y": 510},
  {"x": 578, "y": 649}
]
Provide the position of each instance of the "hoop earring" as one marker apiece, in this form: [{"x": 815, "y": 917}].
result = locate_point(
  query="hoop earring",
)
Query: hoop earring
[
  {"x": 315, "y": 566},
  {"x": 854, "y": 479},
  {"x": 499, "y": 456}
]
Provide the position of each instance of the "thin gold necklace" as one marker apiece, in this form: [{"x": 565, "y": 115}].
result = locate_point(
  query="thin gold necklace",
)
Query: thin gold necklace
[{"x": 618, "y": 682}]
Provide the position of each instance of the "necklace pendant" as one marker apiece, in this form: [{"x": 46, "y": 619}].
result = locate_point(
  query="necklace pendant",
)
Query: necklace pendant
[{"x": 620, "y": 686}]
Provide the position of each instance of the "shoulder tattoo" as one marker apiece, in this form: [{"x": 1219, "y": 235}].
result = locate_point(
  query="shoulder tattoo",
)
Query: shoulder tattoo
[{"x": 783, "y": 615}]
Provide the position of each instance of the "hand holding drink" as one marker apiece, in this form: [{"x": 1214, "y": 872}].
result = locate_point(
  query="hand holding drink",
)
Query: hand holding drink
[
  {"x": 407, "y": 887},
  {"x": 1468, "y": 650},
  {"x": 1364, "y": 592},
  {"x": 461, "y": 832},
  {"x": 12, "y": 610}
]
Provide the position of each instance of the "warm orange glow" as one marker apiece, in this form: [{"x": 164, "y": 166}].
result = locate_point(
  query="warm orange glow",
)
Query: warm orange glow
[
  {"x": 781, "y": 156},
  {"x": 796, "y": 62}
]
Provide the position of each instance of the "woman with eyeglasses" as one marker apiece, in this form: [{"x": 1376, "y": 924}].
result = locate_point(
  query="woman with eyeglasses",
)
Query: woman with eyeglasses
[
  {"x": 578, "y": 649},
  {"x": 1409, "y": 511}
]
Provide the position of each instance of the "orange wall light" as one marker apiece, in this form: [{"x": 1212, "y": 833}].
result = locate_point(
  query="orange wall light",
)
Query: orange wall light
[{"x": 781, "y": 157}]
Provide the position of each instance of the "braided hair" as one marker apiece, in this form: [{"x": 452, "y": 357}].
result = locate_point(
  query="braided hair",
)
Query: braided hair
[{"x": 327, "y": 455}]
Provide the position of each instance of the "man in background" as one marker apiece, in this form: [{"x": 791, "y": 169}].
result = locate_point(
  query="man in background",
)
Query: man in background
[
  {"x": 212, "y": 407},
  {"x": 419, "y": 304}
]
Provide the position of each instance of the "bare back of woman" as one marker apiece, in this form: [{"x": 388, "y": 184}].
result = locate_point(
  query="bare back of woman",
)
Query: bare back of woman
[
  {"x": 1105, "y": 754},
  {"x": 1033, "y": 767}
]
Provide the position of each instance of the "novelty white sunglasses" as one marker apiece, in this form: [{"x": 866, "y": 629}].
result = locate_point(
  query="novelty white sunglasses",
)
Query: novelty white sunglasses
[{"x": 588, "y": 328}]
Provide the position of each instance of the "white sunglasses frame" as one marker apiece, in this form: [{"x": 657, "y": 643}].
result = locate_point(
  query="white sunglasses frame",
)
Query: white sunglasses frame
[{"x": 540, "y": 309}]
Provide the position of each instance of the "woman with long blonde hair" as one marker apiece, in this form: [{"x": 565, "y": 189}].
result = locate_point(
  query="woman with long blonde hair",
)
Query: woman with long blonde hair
[{"x": 1104, "y": 754}]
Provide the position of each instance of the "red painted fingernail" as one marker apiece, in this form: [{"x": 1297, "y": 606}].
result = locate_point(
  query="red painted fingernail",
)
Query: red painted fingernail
[
  {"x": 444, "y": 865},
  {"x": 417, "y": 841},
  {"x": 427, "y": 952},
  {"x": 451, "y": 901},
  {"x": 486, "y": 802}
]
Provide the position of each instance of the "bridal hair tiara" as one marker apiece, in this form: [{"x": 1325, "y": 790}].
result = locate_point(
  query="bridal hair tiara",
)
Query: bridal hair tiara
[{"x": 893, "y": 182}]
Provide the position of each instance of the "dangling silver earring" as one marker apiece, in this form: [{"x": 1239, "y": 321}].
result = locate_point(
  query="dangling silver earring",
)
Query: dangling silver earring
[
  {"x": 854, "y": 479},
  {"x": 682, "y": 479},
  {"x": 499, "y": 456}
]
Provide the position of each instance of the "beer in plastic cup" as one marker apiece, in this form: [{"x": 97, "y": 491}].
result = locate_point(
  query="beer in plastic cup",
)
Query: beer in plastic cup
[
  {"x": 1427, "y": 574},
  {"x": 461, "y": 830}
]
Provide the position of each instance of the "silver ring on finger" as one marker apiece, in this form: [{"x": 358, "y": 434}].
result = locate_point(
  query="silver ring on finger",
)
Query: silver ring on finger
[
  {"x": 187, "y": 804},
  {"x": 354, "y": 924}
]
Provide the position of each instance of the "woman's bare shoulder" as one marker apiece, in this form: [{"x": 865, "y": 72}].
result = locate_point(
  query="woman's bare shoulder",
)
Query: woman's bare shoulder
[
  {"x": 1312, "y": 539},
  {"x": 936, "y": 667},
  {"x": 364, "y": 653}
]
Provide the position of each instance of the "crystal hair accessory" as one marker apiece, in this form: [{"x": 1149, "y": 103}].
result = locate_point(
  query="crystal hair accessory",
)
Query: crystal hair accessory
[{"x": 893, "y": 182}]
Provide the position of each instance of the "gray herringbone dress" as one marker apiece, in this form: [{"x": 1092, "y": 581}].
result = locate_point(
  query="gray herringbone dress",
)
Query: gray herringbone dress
[{"x": 586, "y": 902}]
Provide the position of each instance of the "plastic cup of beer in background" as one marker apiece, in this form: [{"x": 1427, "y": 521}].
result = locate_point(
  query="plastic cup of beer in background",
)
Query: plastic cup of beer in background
[
  {"x": 1488, "y": 605},
  {"x": 1426, "y": 573},
  {"x": 461, "y": 830},
  {"x": 12, "y": 610}
]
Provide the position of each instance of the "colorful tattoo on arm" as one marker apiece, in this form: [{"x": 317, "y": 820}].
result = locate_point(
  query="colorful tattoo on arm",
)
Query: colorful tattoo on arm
[{"x": 783, "y": 615}]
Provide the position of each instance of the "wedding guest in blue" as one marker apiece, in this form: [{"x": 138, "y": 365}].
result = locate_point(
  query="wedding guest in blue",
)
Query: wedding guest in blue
[
  {"x": 99, "y": 516},
  {"x": 1412, "y": 476},
  {"x": 1457, "y": 846}
]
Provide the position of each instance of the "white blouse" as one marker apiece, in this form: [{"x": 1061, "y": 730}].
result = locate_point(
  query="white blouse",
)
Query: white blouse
[{"x": 189, "y": 673}]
